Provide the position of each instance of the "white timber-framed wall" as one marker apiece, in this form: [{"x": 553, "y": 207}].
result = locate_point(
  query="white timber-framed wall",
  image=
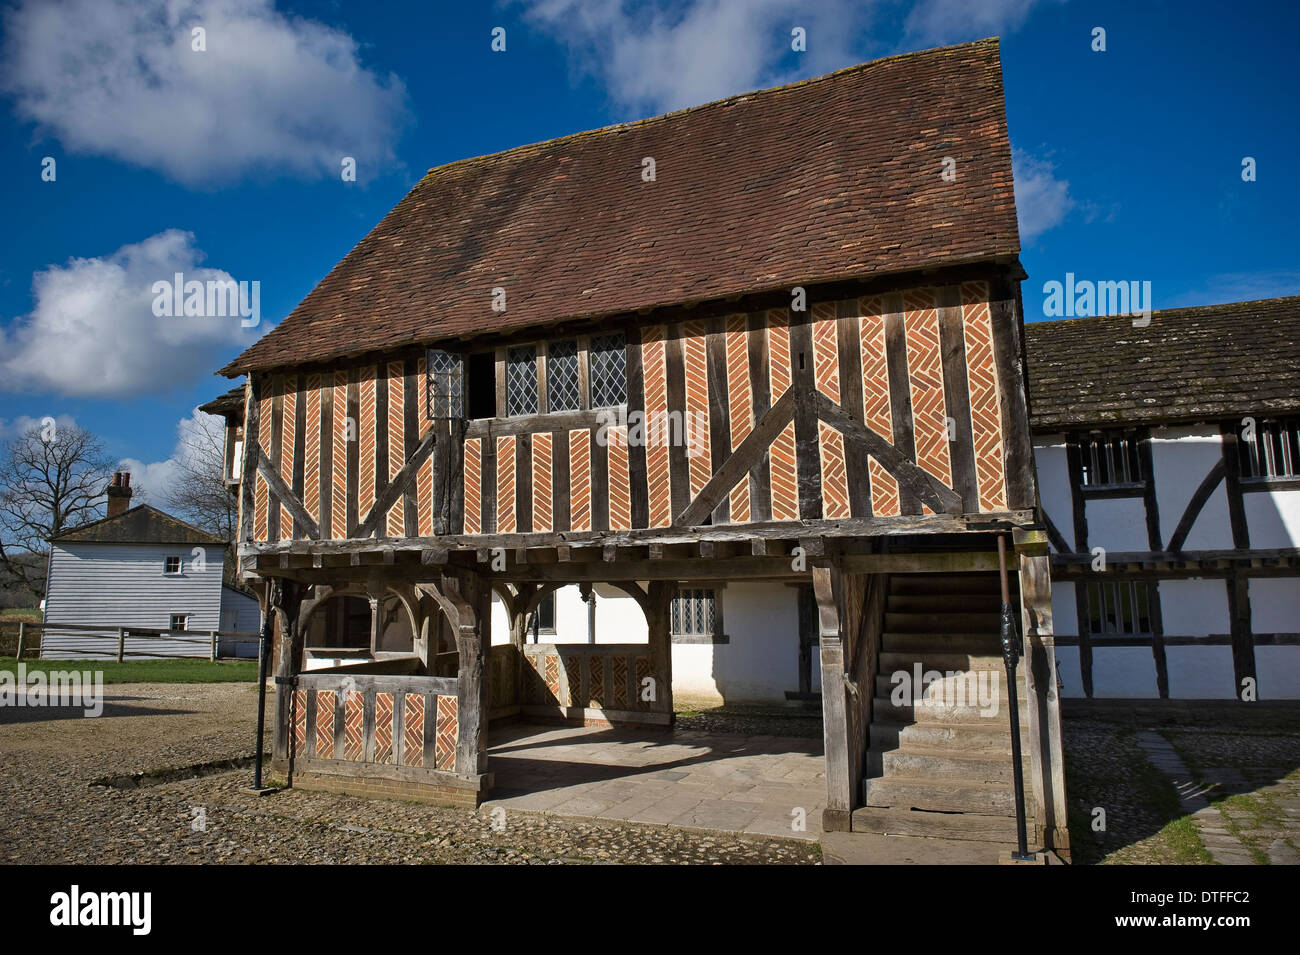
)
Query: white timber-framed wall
[{"x": 1211, "y": 545}]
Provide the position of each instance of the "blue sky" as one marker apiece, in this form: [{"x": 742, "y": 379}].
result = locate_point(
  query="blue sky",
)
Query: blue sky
[{"x": 1128, "y": 161}]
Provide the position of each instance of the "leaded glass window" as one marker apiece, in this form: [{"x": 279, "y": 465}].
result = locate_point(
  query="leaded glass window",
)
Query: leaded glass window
[
  {"x": 608, "y": 361},
  {"x": 445, "y": 392},
  {"x": 562, "y": 376},
  {"x": 693, "y": 613},
  {"x": 521, "y": 380}
]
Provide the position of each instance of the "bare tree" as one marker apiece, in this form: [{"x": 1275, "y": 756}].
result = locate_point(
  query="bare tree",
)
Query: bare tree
[
  {"x": 199, "y": 492},
  {"x": 51, "y": 478}
]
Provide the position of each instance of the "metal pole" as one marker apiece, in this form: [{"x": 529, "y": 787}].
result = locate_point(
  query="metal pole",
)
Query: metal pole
[
  {"x": 262, "y": 653},
  {"x": 1010, "y": 654}
]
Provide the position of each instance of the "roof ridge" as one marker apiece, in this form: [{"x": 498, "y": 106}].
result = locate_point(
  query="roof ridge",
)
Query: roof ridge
[
  {"x": 143, "y": 505},
  {"x": 765, "y": 91},
  {"x": 1166, "y": 311}
]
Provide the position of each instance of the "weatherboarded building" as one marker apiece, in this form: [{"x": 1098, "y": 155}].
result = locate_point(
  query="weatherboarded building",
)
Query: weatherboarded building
[
  {"x": 1168, "y": 460},
  {"x": 774, "y": 340},
  {"x": 144, "y": 571}
]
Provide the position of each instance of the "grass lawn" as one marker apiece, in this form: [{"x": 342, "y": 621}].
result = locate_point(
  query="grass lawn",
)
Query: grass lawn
[{"x": 149, "y": 671}]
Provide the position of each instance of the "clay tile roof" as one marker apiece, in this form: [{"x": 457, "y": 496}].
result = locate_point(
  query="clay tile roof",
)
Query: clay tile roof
[
  {"x": 823, "y": 180},
  {"x": 141, "y": 524},
  {"x": 1189, "y": 364}
]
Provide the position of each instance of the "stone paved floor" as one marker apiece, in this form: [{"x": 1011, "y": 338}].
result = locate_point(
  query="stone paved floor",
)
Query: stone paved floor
[
  {"x": 1245, "y": 810},
  {"x": 753, "y": 785}
]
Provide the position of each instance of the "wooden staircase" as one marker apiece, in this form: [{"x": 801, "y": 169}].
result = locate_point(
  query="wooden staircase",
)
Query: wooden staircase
[{"x": 940, "y": 764}]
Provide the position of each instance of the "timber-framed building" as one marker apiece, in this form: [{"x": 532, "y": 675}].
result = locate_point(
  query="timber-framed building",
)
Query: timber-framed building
[{"x": 773, "y": 338}]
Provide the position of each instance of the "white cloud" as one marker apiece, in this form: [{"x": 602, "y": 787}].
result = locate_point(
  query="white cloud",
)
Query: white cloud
[
  {"x": 1042, "y": 200},
  {"x": 666, "y": 56},
  {"x": 270, "y": 93},
  {"x": 154, "y": 481},
  {"x": 936, "y": 22},
  {"x": 656, "y": 59},
  {"x": 13, "y": 427},
  {"x": 92, "y": 332}
]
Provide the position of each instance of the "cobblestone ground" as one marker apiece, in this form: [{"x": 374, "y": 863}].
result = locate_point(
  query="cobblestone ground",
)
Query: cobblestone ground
[
  {"x": 1219, "y": 786},
  {"x": 50, "y": 812}
]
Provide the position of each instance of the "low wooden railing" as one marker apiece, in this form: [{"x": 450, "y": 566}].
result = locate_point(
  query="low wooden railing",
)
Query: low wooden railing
[{"x": 49, "y": 641}]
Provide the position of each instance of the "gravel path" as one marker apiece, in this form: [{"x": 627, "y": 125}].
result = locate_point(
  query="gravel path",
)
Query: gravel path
[{"x": 51, "y": 813}]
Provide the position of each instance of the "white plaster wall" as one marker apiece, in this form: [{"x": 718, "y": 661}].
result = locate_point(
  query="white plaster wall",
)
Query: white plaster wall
[
  {"x": 1273, "y": 518},
  {"x": 1123, "y": 672},
  {"x": 1067, "y": 671},
  {"x": 1199, "y": 673},
  {"x": 760, "y": 662},
  {"x": 500, "y": 621},
  {"x": 1118, "y": 524},
  {"x": 1274, "y": 604},
  {"x": 1181, "y": 458},
  {"x": 1054, "y": 483},
  {"x": 1278, "y": 670},
  {"x": 1195, "y": 608},
  {"x": 1065, "y": 612}
]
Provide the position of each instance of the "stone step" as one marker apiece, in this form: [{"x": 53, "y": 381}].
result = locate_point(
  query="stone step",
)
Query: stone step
[
  {"x": 951, "y": 641},
  {"x": 884, "y": 709},
  {"x": 950, "y": 687},
  {"x": 917, "y": 762},
  {"x": 972, "y": 827},
  {"x": 983, "y": 739},
  {"x": 944, "y": 603},
  {"x": 935, "y": 794},
  {"x": 946, "y": 621},
  {"x": 957, "y": 660}
]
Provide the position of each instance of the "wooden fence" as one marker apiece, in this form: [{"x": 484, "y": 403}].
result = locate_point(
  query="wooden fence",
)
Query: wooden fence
[{"x": 81, "y": 641}]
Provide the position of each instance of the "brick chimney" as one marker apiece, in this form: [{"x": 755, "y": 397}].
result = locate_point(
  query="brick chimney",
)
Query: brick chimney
[{"x": 119, "y": 493}]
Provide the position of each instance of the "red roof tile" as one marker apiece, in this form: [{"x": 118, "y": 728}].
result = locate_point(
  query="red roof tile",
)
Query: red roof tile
[{"x": 824, "y": 180}]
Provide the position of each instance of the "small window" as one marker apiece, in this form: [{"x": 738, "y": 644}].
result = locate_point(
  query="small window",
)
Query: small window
[
  {"x": 482, "y": 385},
  {"x": 180, "y": 621},
  {"x": 445, "y": 372},
  {"x": 173, "y": 565},
  {"x": 695, "y": 616},
  {"x": 544, "y": 617},
  {"x": 1110, "y": 458},
  {"x": 608, "y": 362},
  {"x": 562, "y": 376},
  {"x": 1120, "y": 608},
  {"x": 1273, "y": 451},
  {"x": 521, "y": 380}
]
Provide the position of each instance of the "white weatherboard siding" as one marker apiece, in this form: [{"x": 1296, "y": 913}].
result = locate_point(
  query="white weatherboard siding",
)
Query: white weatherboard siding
[
  {"x": 123, "y": 585},
  {"x": 239, "y": 612},
  {"x": 1181, "y": 457}
]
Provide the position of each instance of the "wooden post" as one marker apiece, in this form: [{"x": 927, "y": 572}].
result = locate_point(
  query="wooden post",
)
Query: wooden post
[
  {"x": 22, "y": 633},
  {"x": 121, "y": 644},
  {"x": 835, "y": 718},
  {"x": 1043, "y": 709},
  {"x": 658, "y": 614},
  {"x": 284, "y": 601},
  {"x": 212, "y": 654}
]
